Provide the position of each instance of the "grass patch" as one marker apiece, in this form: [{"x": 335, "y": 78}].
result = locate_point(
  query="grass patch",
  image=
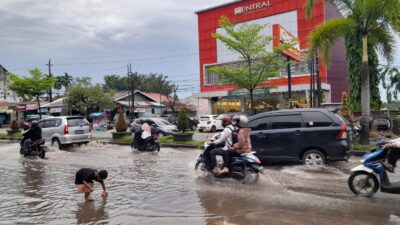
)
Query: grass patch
[
  {"x": 125, "y": 139},
  {"x": 363, "y": 148},
  {"x": 13, "y": 135},
  {"x": 169, "y": 140}
]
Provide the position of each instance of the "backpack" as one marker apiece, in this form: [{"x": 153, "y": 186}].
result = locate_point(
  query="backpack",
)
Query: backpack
[{"x": 235, "y": 131}]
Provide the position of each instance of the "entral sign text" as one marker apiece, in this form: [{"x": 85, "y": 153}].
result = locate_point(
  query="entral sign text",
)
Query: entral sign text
[{"x": 252, "y": 8}]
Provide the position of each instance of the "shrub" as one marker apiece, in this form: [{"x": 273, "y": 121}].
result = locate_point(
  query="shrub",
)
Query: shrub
[
  {"x": 183, "y": 121},
  {"x": 121, "y": 124},
  {"x": 14, "y": 125},
  {"x": 344, "y": 109}
]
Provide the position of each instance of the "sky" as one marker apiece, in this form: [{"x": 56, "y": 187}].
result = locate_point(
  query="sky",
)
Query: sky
[{"x": 98, "y": 37}]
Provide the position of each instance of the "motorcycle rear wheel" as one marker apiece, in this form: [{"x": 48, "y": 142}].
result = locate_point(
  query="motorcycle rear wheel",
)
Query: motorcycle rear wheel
[
  {"x": 363, "y": 183},
  {"x": 251, "y": 176}
]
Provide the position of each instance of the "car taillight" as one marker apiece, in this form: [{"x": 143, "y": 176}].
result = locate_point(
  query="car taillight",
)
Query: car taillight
[
  {"x": 209, "y": 122},
  {"x": 65, "y": 129},
  {"x": 342, "y": 133}
]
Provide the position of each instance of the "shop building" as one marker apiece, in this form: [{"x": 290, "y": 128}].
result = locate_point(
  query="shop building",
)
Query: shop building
[{"x": 289, "y": 17}]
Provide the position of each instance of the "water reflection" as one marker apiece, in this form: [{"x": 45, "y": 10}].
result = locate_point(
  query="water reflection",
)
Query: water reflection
[
  {"x": 89, "y": 211},
  {"x": 33, "y": 175}
]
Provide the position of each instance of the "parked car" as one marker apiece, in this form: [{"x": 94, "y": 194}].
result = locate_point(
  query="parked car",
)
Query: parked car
[
  {"x": 163, "y": 126},
  {"x": 209, "y": 123},
  {"x": 192, "y": 125},
  {"x": 65, "y": 130},
  {"x": 312, "y": 136}
]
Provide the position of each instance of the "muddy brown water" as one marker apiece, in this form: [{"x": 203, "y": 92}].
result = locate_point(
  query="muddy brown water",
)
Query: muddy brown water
[{"x": 163, "y": 189}]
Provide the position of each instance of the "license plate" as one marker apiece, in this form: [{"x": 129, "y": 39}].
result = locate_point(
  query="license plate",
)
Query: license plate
[{"x": 79, "y": 132}]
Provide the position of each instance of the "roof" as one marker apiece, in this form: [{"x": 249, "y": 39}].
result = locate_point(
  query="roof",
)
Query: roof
[
  {"x": 217, "y": 6},
  {"x": 123, "y": 94},
  {"x": 156, "y": 96},
  {"x": 57, "y": 103}
]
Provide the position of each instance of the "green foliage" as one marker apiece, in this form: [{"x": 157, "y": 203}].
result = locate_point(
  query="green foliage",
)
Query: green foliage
[
  {"x": 14, "y": 125},
  {"x": 121, "y": 124},
  {"x": 353, "y": 44},
  {"x": 257, "y": 63},
  {"x": 183, "y": 121},
  {"x": 143, "y": 82},
  {"x": 390, "y": 78},
  {"x": 82, "y": 96},
  {"x": 63, "y": 81},
  {"x": 31, "y": 87},
  {"x": 125, "y": 139}
]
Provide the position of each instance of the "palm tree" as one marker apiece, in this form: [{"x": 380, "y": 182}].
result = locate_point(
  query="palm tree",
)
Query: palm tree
[
  {"x": 66, "y": 80},
  {"x": 374, "y": 22},
  {"x": 58, "y": 84}
]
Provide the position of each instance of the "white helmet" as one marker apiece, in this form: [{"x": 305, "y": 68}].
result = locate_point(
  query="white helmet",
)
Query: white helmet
[{"x": 240, "y": 120}]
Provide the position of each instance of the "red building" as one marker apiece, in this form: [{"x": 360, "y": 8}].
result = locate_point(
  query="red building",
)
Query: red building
[{"x": 287, "y": 14}]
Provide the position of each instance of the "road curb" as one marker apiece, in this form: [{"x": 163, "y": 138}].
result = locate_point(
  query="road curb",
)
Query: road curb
[{"x": 167, "y": 145}]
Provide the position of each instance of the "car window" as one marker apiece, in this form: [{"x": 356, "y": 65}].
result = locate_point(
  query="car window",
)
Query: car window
[
  {"x": 204, "y": 118},
  {"x": 58, "y": 122},
  {"x": 49, "y": 123},
  {"x": 77, "y": 121},
  {"x": 316, "y": 119},
  {"x": 259, "y": 124},
  {"x": 283, "y": 122},
  {"x": 40, "y": 124}
]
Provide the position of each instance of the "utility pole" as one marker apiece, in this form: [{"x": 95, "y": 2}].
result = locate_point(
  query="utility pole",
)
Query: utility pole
[
  {"x": 132, "y": 91},
  {"x": 50, "y": 94},
  {"x": 319, "y": 91},
  {"x": 161, "y": 84},
  {"x": 130, "y": 87},
  {"x": 289, "y": 78}
]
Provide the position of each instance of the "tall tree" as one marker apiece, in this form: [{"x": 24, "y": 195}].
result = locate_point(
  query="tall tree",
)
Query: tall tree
[
  {"x": 259, "y": 64},
  {"x": 31, "y": 87},
  {"x": 66, "y": 80},
  {"x": 86, "y": 98},
  {"x": 371, "y": 21},
  {"x": 144, "y": 82}
]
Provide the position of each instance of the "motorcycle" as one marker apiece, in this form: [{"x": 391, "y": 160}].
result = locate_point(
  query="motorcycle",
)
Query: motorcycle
[
  {"x": 245, "y": 168},
  {"x": 35, "y": 149},
  {"x": 150, "y": 144},
  {"x": 366, "y": 179}
]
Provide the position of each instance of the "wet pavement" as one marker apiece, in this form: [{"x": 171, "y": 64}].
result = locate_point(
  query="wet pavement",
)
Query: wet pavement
[{"x": 164, "y": 189}]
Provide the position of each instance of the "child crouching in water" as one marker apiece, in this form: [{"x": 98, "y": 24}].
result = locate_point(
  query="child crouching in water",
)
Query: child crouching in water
[{"x": 84, "y": 181}]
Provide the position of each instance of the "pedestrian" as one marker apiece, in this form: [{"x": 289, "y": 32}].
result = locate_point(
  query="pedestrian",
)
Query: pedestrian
[{"x": 84, "y": 181}]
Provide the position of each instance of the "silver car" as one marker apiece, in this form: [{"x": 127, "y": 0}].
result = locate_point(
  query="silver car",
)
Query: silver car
[{"x": 64, "y": 130}]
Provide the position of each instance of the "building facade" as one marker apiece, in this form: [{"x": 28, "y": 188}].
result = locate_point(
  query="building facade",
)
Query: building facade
[{"x": 288, "y": 15}]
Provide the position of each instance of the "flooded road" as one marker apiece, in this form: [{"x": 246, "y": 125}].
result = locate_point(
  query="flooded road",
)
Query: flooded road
[{"x": 163, "y": 189}]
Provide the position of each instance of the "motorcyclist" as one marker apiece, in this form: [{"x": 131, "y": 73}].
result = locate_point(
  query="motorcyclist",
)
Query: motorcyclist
[
  {"x": 241, "y": 140},
  {"x": 226, "y": 137},
  {"x": 33, "y": 134},
  {"x": 393, "y": 155},
  {"x": 144, "y": 133}
]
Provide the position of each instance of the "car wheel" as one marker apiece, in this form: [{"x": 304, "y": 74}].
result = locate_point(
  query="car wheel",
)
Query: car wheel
[
  {"x": 55, "y": 143},
  {"x": 313, "y": 158},
  {"x": 213, "y": 129}
]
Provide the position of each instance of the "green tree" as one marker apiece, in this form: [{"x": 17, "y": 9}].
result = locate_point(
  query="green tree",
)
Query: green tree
[
  {"x": 144, "y": 82},
  {"x": 31, "y": 87},
  {"x": 390, "y": 78},
  {"x": 121, "y": 123},
  {"x": 183, "y": 122},
  {"x": 258, "y": 63},
  {"x": 371, "y": 21},
  {"x": 66, "y": 80},
  {"x": 86, "y": 98}
]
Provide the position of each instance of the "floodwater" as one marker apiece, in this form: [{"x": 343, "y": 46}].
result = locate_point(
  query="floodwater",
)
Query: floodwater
[{"x": 163, "y": 189}]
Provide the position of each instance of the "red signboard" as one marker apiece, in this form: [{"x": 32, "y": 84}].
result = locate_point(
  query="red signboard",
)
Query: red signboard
[
  {"x": 21, "y": 107},
  {"x": 282, "y": 36}
]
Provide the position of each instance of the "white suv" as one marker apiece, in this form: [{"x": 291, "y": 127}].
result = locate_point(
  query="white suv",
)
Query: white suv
[{"x": 209, "y": 123}]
